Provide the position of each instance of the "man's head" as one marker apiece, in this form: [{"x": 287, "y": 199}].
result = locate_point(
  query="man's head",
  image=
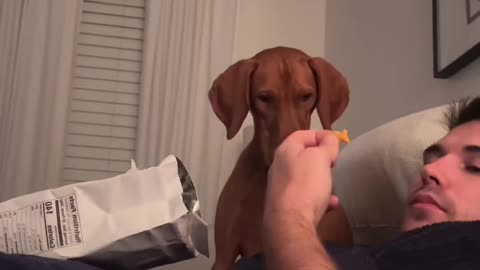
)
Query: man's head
[{"x": 448, "y": 188}]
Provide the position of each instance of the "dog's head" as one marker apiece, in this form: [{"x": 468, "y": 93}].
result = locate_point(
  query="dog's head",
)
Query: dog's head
[{"x": 280, "y": 87}]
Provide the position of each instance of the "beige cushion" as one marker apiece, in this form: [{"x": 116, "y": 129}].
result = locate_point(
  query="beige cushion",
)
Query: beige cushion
[{"x": 374, "y": 170}]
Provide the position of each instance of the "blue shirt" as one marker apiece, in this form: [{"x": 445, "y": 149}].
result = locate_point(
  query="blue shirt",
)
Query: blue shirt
[{"x": 453, "y": 245}]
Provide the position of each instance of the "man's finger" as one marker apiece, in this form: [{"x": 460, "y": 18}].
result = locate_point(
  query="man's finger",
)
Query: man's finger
[
  {"x": 330, "y": 143},
  {"x": 306, "y": 138},
  {"x": 333, "y": 203},
  {"x": 303, "y": 138}
]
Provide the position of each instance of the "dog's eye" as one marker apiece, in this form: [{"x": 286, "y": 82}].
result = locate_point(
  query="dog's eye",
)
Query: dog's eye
[
  {"x": 306, "y": 97},
  {"x": 265, "y": 98}
]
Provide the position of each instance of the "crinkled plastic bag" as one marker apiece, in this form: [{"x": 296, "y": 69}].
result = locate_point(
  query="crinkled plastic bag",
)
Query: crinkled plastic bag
[{"x": 137, "y": 220}]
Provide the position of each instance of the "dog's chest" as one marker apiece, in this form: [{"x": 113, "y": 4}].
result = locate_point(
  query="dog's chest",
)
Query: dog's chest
[{"x": 249, "y": 223}]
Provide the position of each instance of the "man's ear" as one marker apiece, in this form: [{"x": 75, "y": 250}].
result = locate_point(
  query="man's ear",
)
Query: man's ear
[
  {"x": 229, "y": 95},
  {"x": 333, "y": 93}
]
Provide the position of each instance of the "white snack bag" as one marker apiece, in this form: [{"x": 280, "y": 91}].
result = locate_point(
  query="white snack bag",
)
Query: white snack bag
[{"x": 138, "y": 220}]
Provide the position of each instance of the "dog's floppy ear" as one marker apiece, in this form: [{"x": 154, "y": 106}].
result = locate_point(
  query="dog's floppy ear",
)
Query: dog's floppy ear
[
  {"x": 333, "y": 93},
  {"x": 229, "y": 95}
]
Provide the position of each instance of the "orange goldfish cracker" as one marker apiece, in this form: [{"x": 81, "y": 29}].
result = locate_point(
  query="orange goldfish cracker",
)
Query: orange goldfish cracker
[{"x": 342, "y": 136}]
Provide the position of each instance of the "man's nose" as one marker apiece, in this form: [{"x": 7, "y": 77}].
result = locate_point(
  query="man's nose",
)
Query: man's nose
[
  {"x": 430, "y": 177},
  {"x": 436, "y": 172}
]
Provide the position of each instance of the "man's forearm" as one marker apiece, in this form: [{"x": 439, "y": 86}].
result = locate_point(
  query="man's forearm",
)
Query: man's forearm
[{"x": 292, "y": 243}]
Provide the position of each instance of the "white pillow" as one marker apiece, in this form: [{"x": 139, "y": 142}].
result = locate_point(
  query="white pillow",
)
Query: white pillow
[{"x": 373, "y": 172}]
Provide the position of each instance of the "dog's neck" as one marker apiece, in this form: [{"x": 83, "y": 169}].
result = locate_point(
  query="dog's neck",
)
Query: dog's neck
[{"x": 253, "y": 159}]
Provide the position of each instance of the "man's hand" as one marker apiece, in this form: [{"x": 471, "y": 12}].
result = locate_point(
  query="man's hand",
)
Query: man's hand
[
  {"x": 298, "y": 194},
  {"x": 300, "y": 181}
]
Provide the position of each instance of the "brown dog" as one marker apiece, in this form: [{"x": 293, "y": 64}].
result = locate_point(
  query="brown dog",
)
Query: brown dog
[{"x": 280, "y": 87}]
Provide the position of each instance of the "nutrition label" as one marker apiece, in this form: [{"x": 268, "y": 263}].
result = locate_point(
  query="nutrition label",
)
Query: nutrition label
[{"x": 40, "y": 227}]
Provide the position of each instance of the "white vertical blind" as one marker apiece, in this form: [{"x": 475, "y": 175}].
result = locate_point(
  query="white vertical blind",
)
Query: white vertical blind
[{"x": 101, "y": 129}]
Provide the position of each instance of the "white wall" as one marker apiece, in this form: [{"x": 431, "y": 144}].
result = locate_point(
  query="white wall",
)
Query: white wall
[
  {"x": 384, "y": 48},
  {"x": 269, "y": 23}
]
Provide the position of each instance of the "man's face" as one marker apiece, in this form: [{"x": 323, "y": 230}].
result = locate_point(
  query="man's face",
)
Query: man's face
[{"x": 449, "y": 186}]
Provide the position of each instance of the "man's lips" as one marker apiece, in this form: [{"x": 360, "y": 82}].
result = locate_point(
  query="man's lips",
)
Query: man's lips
[{"x": 425, "y": 199}]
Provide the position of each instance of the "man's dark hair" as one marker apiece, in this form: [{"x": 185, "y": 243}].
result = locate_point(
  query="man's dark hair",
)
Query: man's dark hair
[{"x": 463, "y": 111}]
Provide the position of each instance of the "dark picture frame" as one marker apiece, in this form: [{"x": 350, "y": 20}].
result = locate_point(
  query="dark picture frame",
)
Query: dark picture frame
[{"x": 467, "y": 56}]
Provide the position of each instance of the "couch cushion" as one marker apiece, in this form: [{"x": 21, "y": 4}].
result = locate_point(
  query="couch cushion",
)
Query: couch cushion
[{"x": 373, "y": 172}]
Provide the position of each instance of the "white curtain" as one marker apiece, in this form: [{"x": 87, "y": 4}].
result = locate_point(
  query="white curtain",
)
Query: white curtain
[
  {"x": 188, "y": 43},
  {"x": 36, "y": 45}
]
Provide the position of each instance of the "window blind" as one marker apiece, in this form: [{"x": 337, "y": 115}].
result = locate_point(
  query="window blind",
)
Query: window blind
[{"x": 101, "y": 128}]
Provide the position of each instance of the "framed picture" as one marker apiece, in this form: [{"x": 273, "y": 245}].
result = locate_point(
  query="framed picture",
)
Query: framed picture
[{"x": 456, "y": 35}]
